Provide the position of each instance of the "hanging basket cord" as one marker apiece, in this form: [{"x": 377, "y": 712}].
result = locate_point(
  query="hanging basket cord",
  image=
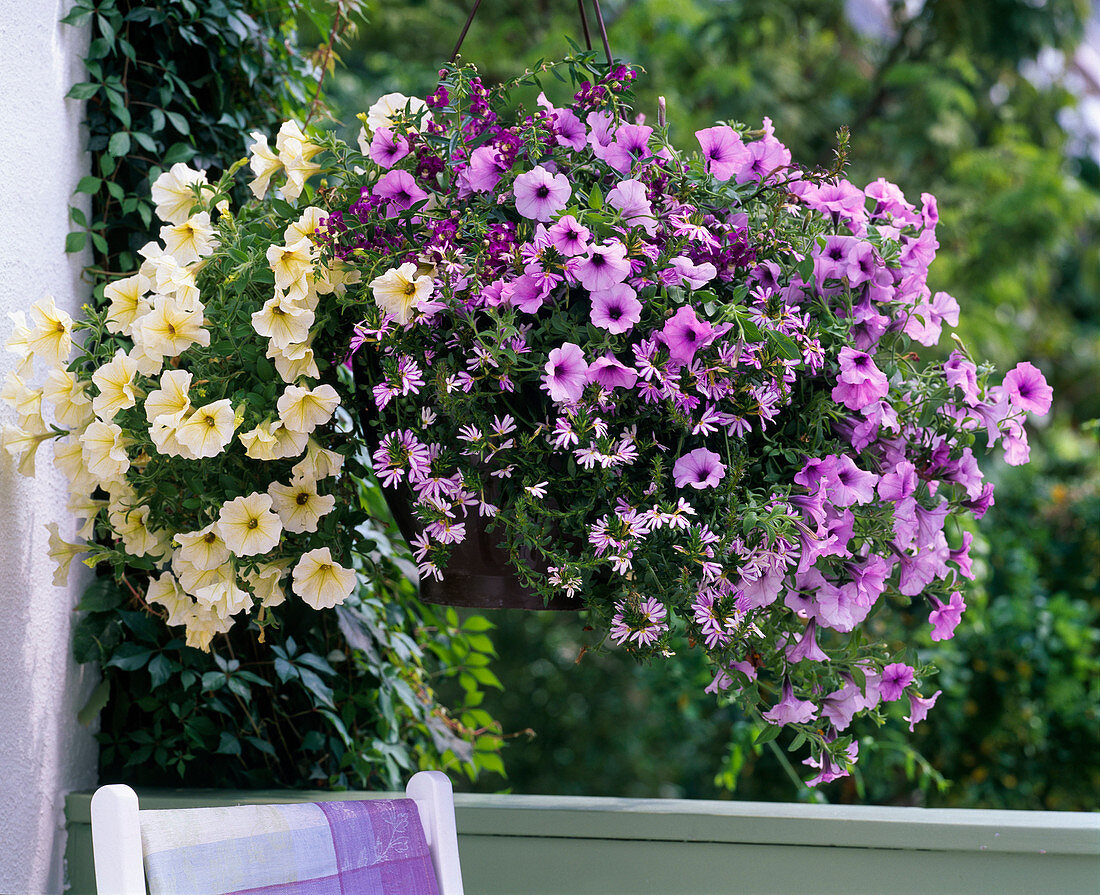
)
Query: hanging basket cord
[{"x": 584, "y": 29}]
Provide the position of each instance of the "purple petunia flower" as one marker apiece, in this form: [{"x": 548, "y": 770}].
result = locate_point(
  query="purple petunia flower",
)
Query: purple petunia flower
[
  {"x": 684, "y": 334},
  {"x": 683, "y": 272},
  {"x": 399, "y": 188},
  {"x": 540, "y": 194},
  {"x": 605, "y": 266},
  {"x": 918, "y": 708},
  {"x": 566, "y": 374},
  {"x": 485, "y": 169},
  {"x": 632, "y": 201},
  {"x": 569, "y": 236},
  {"x": 631, "y": 145},
  {"x": 609, "y": 373},
  {"x": 807, "y": 647},
  {"x": 790, "y": 710},
  {"x": 895, "y": 678},
  {"x": 616, "y": 309},
  {"x": 388, "y": 148},
  {"x": 945, "y": 619},
  {"x": 1027, "y": 388},
  {"x": 724, "y": 155},
  {"x": 860, "y": 382},
  {"x": 700, "y": 469}
]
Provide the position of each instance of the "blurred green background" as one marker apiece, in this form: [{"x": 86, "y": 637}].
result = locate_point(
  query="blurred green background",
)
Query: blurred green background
[{"x": 944, "y": 98}]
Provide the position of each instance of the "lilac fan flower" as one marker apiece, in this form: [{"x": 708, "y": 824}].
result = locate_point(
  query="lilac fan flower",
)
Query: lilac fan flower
[
  {"x": 650, "y": 624},
  {"x": 540, "y": 195},
  {"x": 684, "y": 334},
  {"x": 605, "y": 266},
  {"x": 387, "y": 148},
  {"x": 616, "y": 309},
  {"x": 1027, "y": 389},
  {"x": 566, "y": 374},
  {"x": 724, "y": 155},
  {"x": 945, "y": 619},
  {"x": 790, "y": 710},
  {"x": 399, "y": 188},
  {"x": 700, "y": 469}
]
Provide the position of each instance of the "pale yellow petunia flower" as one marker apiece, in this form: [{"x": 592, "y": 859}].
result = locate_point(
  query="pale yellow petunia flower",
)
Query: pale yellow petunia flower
[
  {"x": 321, "y": 582},
  {"x": 248, "y": 526}
]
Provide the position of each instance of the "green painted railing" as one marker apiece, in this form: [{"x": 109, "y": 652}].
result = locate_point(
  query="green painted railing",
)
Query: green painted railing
[{"x": 523, "y": 845}]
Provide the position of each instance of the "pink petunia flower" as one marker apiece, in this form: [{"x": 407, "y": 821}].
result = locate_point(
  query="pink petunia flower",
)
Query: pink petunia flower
[
  {"x": 605, "y": 266},
  {"x": 1027, "y": 389},
  {"x": 700, "y": 469},
  {"x": 610, "y": 373},
  {"x": 945, "y": 619},
  {"x": 540, "y": 194},
  {"x": 400, "y": 189},
  {"x": 388, "y": 148},
  {"x": 684, "y": 334},
  {"x": 566, "y": 374},
  {"x": 724, "y": 155},
  {"x": 616, "y": 309}
]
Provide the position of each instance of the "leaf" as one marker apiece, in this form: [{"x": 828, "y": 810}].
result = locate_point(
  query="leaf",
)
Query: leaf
[
  {"x": 88, "y": 184},
  {"x": 75, "y": 242},
  {"x": 477, "y": 623},
  {"x": 179, "y": 122},
  {"x": 119, "y": 144},
  {"x": 766, "y": 735},
  {"x": 160, "y": 669},
  {"x": 83, "y": 91},
  {"x": 783, "y": 345},
  {"x": 130, "y": 657},
  {"x": 100, "y": 596},
  {"x": 595, "y": 199},
  {"x": 95, "y": 704}
]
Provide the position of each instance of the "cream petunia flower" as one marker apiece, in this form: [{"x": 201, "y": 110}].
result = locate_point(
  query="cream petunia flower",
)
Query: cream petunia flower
[
  {"x": 288, "y": 443},
  {"x": 68, "y": 456},
  {"x": 320, "y": 582},
  {"x": 165, "y": 591},
  {"x": 104, "y": 451},
  {"x": 62, "y": 553},
  {"x": 390, "y": 110},
  {"x": 208, "y": 429},
  {"x": 85, "y": 508},
  {"x": 20, "y": 333},
  {"x": 303, "y": 410},
  {"x": 127, "y": 302},
  {"x": 51, "y": 334},
  {"x": 296, "y": 153},
  {"x": 167, "y": 276},
  {"x": 163, "y": 431},
  {"x": 202, "y": 625},
  {"x": 291, "y": 265},
  {"x": 117, "y": 386},
  {"x": 170, "y": 328},
  {"x": 171, "y": 398},
  {"x": 174, "y": 192},
  {"x": 26, "y": 401},
  {"x": 266, "y": 583},
  {"x": 264, "y": 164},
  {"x": 68, "y": 395},
  {"x": 294, "y": 361},
  {"x": 336, "y": 277},
  {"x": 399, "y": 291},
  {"x": 191, "y": 240},
  {"x": 318, "y": 463},
  {"x": 305, "y": 226},
  {"x": 248, "y": 526},
  {"x": 260, "y": 443},
  {"x": 204, "y": 548},
  {"x": 132, "y": 525},
  {"x": 22, "y": 442},
  {"x": 281, "y": 322},
  {"x": 299, "y": 505},
  {"x": 225, "y": 597}
]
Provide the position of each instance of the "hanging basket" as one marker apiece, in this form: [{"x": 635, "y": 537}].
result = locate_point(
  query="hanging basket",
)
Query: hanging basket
[{"x": 478, "y": 575}]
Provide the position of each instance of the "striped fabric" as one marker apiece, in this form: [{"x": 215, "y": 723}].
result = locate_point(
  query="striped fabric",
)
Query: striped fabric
[{"x": 372, "y": 847}]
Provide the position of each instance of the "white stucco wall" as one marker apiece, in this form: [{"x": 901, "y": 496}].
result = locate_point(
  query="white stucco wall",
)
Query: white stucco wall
[{"x": 44, "y": 752}]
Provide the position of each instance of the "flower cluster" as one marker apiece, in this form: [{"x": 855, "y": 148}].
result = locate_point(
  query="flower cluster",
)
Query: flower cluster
[{"x": 680, "y": 384}]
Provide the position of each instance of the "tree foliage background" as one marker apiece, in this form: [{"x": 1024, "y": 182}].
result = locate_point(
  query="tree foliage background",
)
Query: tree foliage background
[{"x": 936, "y": 102}]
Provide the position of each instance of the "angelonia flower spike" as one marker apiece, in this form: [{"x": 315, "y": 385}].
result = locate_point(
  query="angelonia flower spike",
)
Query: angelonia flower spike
[{"x": 678, "y": 382}]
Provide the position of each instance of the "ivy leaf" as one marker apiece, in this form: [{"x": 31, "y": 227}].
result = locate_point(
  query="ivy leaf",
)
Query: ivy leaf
[
  {"x": 83, "y": 91},
  {"x": 88, "y": 184},
  {"x": 96, "y": 703},
  {"x": 130, "y": 657}
]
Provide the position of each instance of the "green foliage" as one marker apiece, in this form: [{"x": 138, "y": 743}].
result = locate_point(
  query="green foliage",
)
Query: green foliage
[{"x": 343, "y": 698}]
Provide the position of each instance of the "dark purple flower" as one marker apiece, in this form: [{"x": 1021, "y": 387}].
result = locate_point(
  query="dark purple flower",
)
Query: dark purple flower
[
  {"x": 684, "y": 334},
  {"x": 616, "y": 309},
  {"x": 566, "y": 374},
  {"x": 724, "y": 155},
  {"x": 541, "y": 194},
  {"x": 700, "y": 469},
  {"x": 1027, "y": 389}
]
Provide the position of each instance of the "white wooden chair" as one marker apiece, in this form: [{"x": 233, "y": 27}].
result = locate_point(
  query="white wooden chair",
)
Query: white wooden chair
[{"x": 312, "y": 847}]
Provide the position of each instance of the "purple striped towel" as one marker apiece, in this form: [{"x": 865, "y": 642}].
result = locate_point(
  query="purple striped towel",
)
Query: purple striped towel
[{"x": 371, "y": 847}]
